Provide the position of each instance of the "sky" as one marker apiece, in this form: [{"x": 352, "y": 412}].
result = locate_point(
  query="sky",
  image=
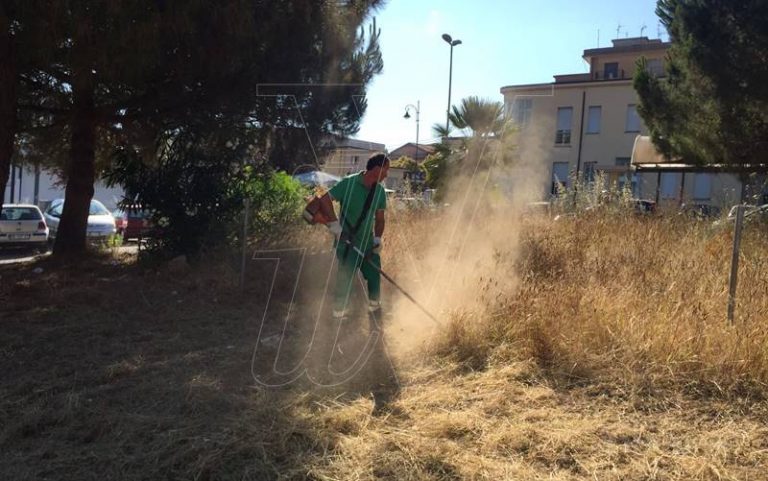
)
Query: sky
[{"x": 504, "y": 42}]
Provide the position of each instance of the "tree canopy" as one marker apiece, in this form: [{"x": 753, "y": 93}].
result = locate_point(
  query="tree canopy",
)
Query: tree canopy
[
  {"x": 712, "y": 107},
  {"x": 104, "y": 75}
]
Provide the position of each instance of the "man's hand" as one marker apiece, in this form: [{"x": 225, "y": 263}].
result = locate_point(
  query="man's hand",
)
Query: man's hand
[
  {"x": 335, "y": 228},
  {"x": 376, "y": 245}
]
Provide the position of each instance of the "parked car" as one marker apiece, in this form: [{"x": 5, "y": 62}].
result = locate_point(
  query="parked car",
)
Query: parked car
[
  {"x": 752, "y": 213},
  {"x": 22, "y": 225},
  {"x": 133, "y": 223},
  {"x": 101, "y": 224}
]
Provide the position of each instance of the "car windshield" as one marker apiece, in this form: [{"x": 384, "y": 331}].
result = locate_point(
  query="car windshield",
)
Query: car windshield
[
  {"x": 97, "y": 208},
  {"x": 20, "y": 213}
]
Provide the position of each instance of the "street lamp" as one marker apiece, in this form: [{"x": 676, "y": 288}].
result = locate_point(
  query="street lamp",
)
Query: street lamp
[
  {"x": 408, "y": 116},
  {"x": 450, "y": 41}
]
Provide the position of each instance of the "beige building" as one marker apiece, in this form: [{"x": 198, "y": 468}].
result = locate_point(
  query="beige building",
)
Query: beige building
[
  {"x": 588, "y": 122},
  {"x": 345, "y": 156}
]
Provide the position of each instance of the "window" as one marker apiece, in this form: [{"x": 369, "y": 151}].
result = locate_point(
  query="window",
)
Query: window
[
  {"x": 97, "y": 208},
  {"x": 655, "y": 67},
  {"x": 702, "y": 187},
  {"x": 593, "y": 119},
  {"x": 559, "y": 176},
  {"x": 589, "y": 171},
  {"x": 355, "y": 159},
  {"x": 635, "y": 187},
  {"x": 623, "y": 162},
  {"x": 521, "y": 111},
  {"x": 20, "y": 213},
  {"x": 633, "y": 119},
  {"x": 611, "y": 70},
  {"x": 670, "y": 185},
  {"x": 563, "y": 133}
]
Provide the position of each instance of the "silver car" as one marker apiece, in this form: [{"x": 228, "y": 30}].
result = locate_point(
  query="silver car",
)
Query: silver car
[
  {"x": 22, "y": 225},
  {"x": 101, "y": 224}
]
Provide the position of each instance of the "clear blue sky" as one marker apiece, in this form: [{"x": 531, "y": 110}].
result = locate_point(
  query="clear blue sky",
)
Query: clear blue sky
[{"x": 505, "y": 42}]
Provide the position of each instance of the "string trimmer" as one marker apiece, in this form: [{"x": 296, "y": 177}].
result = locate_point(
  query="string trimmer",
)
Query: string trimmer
[{"x": 386, "y": 276}]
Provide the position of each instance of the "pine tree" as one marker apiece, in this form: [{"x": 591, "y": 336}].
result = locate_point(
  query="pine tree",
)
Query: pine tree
[
  {"x": 128, "y": 72},
  {"x": 712, "y": 106}
]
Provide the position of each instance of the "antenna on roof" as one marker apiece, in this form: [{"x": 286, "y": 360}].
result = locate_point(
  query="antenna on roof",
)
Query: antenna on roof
[
  {"x": 618, "y": 30},
  {"x": 658, "y": 30},
  {"x": 642, "y": 29},
  {"x": 598, "y": 38}
]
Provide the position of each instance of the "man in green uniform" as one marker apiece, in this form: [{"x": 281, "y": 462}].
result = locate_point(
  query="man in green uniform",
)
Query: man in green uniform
[{"x": 361, "y": 224}]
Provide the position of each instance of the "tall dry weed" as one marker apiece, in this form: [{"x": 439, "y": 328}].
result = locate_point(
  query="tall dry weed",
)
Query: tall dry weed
[{"x": 641, "y": 301}]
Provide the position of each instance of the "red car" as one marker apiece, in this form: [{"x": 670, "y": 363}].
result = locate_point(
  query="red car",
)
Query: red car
[{"x": 133, "y": 223}]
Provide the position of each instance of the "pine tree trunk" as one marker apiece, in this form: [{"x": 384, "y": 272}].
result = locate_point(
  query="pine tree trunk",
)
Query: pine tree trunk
[
  {"x": 8, "y": 104},
  {"x": 81, "y": 168}
]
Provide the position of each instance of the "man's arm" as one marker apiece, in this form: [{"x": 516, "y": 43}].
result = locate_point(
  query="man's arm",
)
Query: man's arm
[{"x": 378, "y": 227}]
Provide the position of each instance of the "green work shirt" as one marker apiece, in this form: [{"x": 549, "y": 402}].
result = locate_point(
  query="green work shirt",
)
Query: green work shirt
[{"x": 351, "y": 194}]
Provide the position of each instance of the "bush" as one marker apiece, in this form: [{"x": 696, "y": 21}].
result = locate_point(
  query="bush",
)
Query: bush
[{"x": 276, "y": 203}]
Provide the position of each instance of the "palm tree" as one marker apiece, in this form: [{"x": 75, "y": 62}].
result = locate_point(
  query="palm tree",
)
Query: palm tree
[
  {"x": 482, "y": 117},
  {"x": 486, "y": 140}
]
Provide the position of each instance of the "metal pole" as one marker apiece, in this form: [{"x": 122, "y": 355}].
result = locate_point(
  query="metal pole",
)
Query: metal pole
[
  {"x": 245, "y": 242},
  {"x": 418, "y": 107},
  {"x": 21, "y": 171},
  {"x": 735, "y": 262},
  {"x": 581, "y": 141},
  {"x": 13, "y": 183},
  {"x": 450, "y": 82},
  {"x": 682, "y": 190},
  {"x": 37, "y": 185},
  {"x": 581, "y": 131}
]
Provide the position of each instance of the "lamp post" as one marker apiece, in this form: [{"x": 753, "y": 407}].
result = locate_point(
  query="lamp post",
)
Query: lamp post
[
  {"x": 407, "y": 115},
  {"x": 450, "y": 41}
]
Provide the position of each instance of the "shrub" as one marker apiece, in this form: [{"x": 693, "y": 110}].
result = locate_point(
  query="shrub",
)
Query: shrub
[{"x": 276, "y": 203}]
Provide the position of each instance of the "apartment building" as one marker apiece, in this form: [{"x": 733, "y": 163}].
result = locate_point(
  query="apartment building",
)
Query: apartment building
[
  {"x": 588, "y": 122},
  {"x": 345, "y": 156},
  {"x": 27, "y": 186}
]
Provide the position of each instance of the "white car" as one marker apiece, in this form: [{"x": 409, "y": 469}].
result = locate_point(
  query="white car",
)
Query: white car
[
  {"x": 750, "y": 212},
  {"x": 22, "y": 225},
  {"x": 101, "y": 223}
]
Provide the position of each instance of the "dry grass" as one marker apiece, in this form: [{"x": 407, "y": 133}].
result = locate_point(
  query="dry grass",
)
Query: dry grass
[
  {"x": 611, "y": 359},
  {"x": 632, "y": 300},
  {"x": 506, "y": 423}
]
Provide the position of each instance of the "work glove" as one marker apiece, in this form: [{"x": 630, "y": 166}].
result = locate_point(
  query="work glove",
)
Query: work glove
[
  {"x": 335, "y": 228},
  {"x": 376, "y": 245}
]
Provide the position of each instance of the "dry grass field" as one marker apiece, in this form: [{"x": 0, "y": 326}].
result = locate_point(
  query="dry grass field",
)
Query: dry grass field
[{"x": 587, "y": 347}]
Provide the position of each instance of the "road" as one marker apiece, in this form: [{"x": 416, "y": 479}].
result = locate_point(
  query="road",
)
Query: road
[{"x": 18, "y": 256}]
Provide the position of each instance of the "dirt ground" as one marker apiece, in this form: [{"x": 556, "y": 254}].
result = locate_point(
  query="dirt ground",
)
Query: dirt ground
[{"x": 113, "y": 371}]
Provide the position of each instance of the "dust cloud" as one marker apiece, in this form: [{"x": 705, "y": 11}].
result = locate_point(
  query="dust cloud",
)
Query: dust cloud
[{"x": 461, "y": 259}]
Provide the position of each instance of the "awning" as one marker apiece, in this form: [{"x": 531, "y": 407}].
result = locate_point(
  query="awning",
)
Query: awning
[{"x": 645, "y": 158}]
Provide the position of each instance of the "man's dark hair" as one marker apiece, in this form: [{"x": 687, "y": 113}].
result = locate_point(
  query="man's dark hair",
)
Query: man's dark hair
[{"x": 376, "y": 160}]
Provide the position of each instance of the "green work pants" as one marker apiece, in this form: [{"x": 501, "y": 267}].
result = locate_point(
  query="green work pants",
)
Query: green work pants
[{"x": 345, "y": 277}]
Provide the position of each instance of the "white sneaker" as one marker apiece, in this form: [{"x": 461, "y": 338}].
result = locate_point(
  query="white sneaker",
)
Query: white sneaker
[
  {"x": 374, "y": 306},
  {"x": 339, "y": 315}
]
